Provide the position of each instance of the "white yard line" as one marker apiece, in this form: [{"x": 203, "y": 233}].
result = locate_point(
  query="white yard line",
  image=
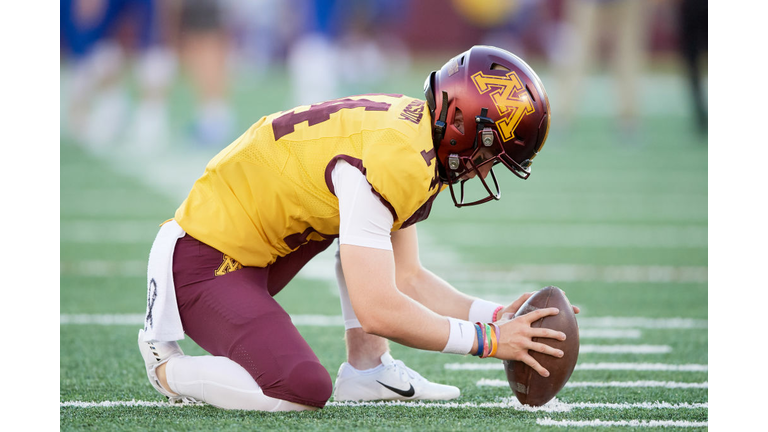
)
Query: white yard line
[
  {"x": 587, "y": 235},
  {"x": 657, "y": 367},
  {"x": 609, "y": 334},
  {"x": 104, "y": 268},
  {"x": 624, "y": 384},
  {"x": 552, "y": 406},
  {"x": 102, "y": 319},
  {"x": 112, "y": 404},
  {"x": 644, "y": 367},
  {"x": 531, "y": 235},
  {"x": 632, "y": 384},
  {"x": 595, "y": 327},
  {"x": 487, "y": 279},
  {"x": 612, "y": 423},
  {"x": 624, "y": 349},
  {"x": 640, "y": 322},
  {"x": 587, "y": 273},
  {"x": 317, "y": 320},
  {"x": 138, "y": 319},
  {"x": 110, "y": 231}
]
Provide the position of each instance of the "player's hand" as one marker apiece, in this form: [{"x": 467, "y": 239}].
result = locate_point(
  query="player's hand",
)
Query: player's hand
[
  {"x": 515, "y": 306},
  {"x": 516, "y": 339}
]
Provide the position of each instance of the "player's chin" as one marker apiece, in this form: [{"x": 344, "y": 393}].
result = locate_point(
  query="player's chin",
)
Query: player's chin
[{"x": 468, "y": 175}]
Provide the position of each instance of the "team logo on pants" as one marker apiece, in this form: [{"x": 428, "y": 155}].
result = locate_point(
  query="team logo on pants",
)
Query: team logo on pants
[{"x": 228, "y": 264}]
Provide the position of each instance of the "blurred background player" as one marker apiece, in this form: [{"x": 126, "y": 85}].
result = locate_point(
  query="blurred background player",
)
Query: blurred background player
[
  {"x": 692, "y": 16},
  {"x": 219, "y": 41},
  {"x": 105, "y": 40},
  {"x": 591, "y": 24},
  {"x": 514, "y": 24},
  {"x": 345, "y": 43},
  {"x": 100, "y": 39},
  {"x": 205, "y": 47}
]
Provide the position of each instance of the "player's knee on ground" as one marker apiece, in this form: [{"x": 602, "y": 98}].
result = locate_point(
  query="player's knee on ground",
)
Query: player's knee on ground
[
  {"x": 293, "y": 375},
  {"x": 307, "y": 383},
  {"x": 313, "y": 381}
]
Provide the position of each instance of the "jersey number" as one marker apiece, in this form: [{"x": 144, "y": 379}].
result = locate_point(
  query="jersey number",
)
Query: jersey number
[{"x": 321, "y": 112}]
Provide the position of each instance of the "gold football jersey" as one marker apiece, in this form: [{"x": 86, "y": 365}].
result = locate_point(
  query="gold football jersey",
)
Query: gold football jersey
[{"x": 270, "y": 191}]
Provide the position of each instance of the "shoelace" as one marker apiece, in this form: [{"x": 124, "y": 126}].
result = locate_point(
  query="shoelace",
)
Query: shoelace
[{"x": 404, "y": 370}]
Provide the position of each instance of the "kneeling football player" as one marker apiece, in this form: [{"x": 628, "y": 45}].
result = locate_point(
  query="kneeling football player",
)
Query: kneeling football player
[{"x": 361, "y": 171}]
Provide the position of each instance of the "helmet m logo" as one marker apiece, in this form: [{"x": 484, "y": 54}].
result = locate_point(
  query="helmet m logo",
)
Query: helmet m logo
[{"x": 510, "y": 98}]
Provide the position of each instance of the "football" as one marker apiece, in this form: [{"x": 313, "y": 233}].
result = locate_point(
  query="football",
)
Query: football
[{"x": 530, "y": 387}]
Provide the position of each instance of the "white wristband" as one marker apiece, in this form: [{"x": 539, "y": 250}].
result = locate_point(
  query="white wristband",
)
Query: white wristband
[
  {"x": 461, "y": 337},
  {"x": 482, "y": 311}
]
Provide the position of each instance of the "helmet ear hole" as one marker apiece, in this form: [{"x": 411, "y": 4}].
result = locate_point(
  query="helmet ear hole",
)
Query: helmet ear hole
[{"x": 458, "y": 120}]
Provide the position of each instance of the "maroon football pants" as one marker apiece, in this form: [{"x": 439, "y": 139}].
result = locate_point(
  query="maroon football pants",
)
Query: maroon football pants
[{"x": 233, "y": 314}]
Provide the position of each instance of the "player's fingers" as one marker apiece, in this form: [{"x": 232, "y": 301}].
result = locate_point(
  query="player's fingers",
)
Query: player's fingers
[
  {"x": 545, "y": 349},
  {"x": 530, "y": 361},
  {"x": 515, "y": 306},
  {"x": 576, "y": 309},
  {"x": 546, "y": 333},
  {"x": 520, "y": 300},
  {"x": 540, "y": 313}
]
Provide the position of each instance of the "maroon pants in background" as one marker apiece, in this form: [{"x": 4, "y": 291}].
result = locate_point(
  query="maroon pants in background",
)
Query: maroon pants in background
[{"x": 234, "y": 315}]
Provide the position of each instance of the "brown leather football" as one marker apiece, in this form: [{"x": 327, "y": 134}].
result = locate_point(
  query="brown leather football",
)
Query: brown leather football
[{"x": 530, "y": 387}]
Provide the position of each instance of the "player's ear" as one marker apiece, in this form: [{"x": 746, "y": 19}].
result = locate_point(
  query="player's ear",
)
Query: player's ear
[{"x": 458, "y": 120}]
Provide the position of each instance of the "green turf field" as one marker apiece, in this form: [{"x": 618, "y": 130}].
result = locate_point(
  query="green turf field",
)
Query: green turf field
[{"x": 620, "y": 225}]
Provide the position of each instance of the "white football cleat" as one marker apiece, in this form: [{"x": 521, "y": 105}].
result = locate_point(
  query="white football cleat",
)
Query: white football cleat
[
  {"x": 393, "y": 380},
  {"x": 155, "y": 354}
]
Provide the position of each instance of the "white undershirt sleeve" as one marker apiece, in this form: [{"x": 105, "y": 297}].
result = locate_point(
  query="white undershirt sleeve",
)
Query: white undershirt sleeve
[{"x": 364, "y": 220}]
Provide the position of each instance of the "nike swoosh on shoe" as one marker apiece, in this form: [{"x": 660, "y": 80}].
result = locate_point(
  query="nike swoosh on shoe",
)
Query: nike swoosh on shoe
[{"x": 407, "y": 393}]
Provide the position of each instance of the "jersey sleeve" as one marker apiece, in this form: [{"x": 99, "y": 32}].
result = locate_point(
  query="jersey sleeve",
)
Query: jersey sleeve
[{"x": 364, "y": 220}]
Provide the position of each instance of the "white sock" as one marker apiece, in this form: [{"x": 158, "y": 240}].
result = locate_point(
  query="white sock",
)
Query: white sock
[
  {"x": 372, "y": 370},
  {"x": 222, "y": 383}
]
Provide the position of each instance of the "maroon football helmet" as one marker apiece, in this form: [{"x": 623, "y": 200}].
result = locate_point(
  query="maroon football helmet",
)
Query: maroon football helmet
[{"x": 505, "y": 112}]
